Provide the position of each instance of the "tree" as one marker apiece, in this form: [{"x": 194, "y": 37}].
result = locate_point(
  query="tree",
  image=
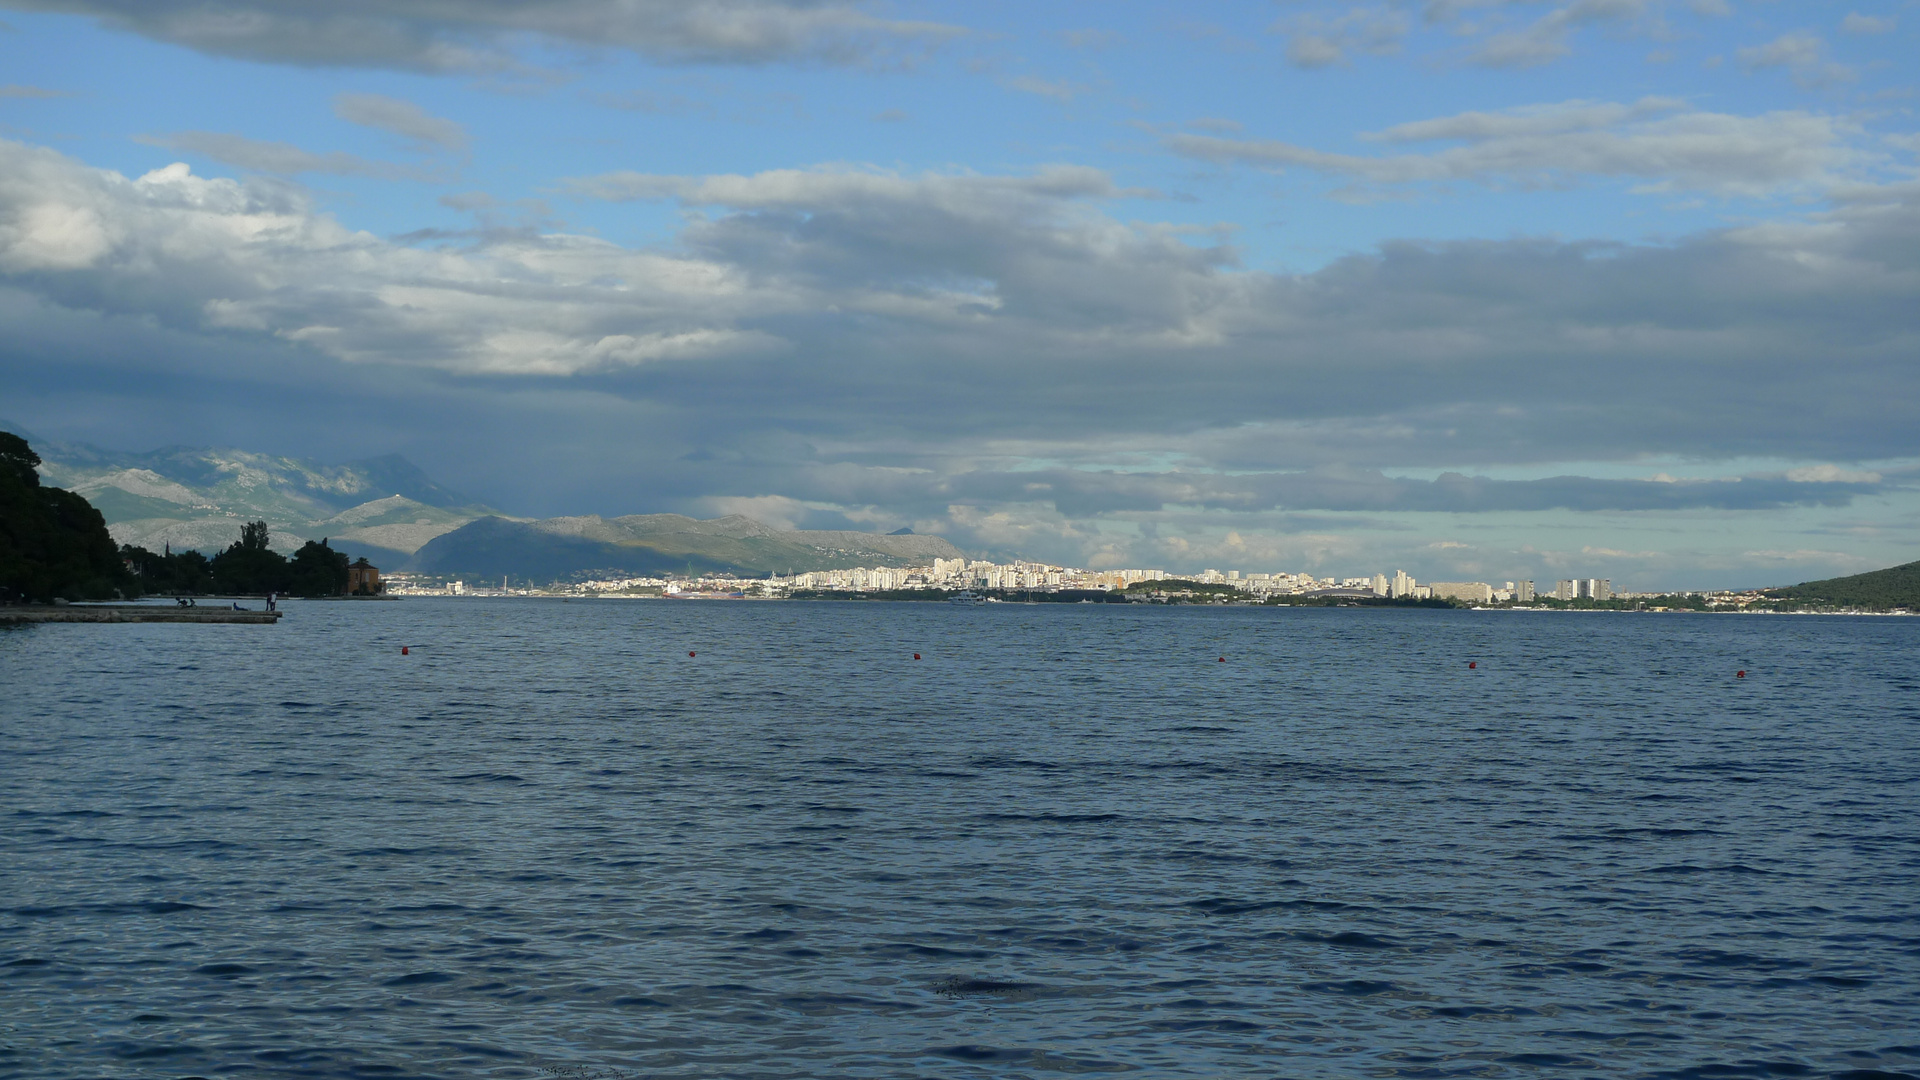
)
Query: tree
[
  {"x": 173, "y": 572},
  {"x": 53, "y": 543},
  {"x": 250, "y": 566},
  {"x": 317, "y": 570}
]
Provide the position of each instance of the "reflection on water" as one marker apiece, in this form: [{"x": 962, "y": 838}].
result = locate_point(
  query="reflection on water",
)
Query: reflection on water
[{"x": 549, "y": 842}]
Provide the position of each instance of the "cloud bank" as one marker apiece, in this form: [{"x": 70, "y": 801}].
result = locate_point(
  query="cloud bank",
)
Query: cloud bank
[
  {"x": 947, "y": 349},
  {"x": 1660, "y": 142},
  {"x": 478, "y": 35}
]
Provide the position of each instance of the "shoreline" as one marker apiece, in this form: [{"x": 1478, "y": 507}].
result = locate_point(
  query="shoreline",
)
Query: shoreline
[
  {"x": 131, "y": 613},
  {"x": 852, "y": 597}
]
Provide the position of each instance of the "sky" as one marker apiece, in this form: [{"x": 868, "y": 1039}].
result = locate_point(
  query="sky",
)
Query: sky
[{"x": 1478, "y": 289}]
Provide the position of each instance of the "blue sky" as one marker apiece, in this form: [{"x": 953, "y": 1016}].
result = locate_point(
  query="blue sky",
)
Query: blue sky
[{"x": 1621, "y": 288}]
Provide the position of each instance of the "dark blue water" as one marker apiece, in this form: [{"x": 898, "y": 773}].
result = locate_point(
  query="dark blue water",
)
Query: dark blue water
[{"x": 1069, "y": 839}]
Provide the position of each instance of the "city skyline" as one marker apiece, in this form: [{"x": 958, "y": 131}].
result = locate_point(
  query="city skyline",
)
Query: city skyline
[{"x": 1615, "y": 289}]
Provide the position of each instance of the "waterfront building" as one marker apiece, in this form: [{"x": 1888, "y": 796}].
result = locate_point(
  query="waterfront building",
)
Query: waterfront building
[
  {"x": 363, "y": 578},
  {"x": 1473, "y": 592},
  {"x": 1523, "y": 592}
]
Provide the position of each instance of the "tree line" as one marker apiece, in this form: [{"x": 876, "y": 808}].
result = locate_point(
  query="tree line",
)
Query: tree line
[
  {"x": 249, "y": 566},
  {"x": 54, "y": 543}
]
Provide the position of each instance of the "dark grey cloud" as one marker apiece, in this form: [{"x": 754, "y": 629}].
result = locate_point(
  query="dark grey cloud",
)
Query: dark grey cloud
[{"x": 432, "y": 35}]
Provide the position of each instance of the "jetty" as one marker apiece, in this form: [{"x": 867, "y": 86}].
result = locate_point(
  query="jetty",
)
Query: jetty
[{"x": 130, "y": 613}]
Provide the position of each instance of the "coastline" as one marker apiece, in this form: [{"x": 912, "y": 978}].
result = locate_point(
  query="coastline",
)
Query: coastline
[{"x": 130, "y": 613}]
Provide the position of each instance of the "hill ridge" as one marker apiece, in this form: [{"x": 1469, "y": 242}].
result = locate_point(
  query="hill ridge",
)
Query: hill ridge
[
  {"x": 1893, "y": 587},
  {"x": 653, "y": 544}
]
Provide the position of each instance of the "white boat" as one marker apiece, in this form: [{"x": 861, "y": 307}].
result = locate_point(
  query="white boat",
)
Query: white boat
[{"x": 967, "y": 597}]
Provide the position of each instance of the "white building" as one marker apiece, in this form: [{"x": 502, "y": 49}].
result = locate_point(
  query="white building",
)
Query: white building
[{"x": 1474, "y": 592}]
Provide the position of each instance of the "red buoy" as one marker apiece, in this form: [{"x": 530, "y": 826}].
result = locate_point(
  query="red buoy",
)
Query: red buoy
[
  {"x": 689, "y": 652},
  {"x": 1471, "y": 664},
  {"x": 1741, "y": 674},
  {"x": 1223, "y": 659},
  {"x": 916, "y": 656},
  {"x": 403, "y": 650}
]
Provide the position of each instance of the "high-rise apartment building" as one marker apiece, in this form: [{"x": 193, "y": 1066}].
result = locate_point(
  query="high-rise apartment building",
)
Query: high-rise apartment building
[
  {"x": 1402, "y": 585},
  {"x": 1566, "y": 589},
  {"x": 1473, "y": 592},
  {"x": 1523, "y": 592}
]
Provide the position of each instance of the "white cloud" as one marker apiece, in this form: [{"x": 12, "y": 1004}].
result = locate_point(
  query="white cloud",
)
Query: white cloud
[
  {"x": 276, "y": 158},
  {"x": 1091, "y": 40},
  {"x": 402, "y": 118},
  {"x": 1547, "y": 38},
  {"x": 1058, "y": 89},
  {"x": 841, "y": 187},
  {"x": 1856, "y": 23},
  {"x": 1656, "y": 140},
  {"x": 1804, "y": 57},
  {"x": 1832, "y": 474},
  {"x": 1313, "y": 51},
  {"x": 1321, "y": 40}
]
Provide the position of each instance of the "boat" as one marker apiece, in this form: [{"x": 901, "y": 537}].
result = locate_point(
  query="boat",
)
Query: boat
[{"x": 966, "y": 597}]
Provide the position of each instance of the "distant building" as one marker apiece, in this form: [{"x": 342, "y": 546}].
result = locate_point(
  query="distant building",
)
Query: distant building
[
  {"x": 1566, "y": 590},
  {"x": 1596, "y": 589},
  {"x": 1473, "y": 592},
  {"x": 363, "y": 578},
  {"x": 1402, "y": 585},
  {"x": 1379, "y": 584},
  {"x": 1523, "y": 592}
]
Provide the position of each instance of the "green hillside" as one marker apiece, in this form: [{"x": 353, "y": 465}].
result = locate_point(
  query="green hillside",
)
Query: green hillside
[{"x": 1880, "y": 590}]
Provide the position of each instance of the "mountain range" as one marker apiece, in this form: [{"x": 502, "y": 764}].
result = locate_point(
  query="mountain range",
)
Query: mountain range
[
  {"x": 196, "y": 498},
  {"x": 387, "y": 509},
  {"x": 659, "y": 544}
]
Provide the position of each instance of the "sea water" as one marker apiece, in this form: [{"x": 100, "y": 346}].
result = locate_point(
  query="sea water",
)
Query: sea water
[{"x": 748, "y": 839}]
